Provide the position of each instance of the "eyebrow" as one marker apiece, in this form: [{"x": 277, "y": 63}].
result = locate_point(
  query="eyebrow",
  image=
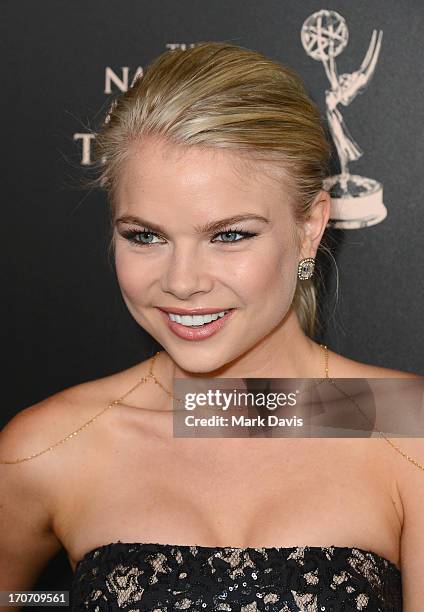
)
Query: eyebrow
[{"x": 201, "y": 229}]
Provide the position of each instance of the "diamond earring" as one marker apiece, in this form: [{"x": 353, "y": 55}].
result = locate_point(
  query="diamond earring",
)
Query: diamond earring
[{"x": 305, "y": 268}]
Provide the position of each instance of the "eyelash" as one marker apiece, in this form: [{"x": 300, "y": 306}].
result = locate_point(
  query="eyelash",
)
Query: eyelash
[{"x": 131, "y": 234}]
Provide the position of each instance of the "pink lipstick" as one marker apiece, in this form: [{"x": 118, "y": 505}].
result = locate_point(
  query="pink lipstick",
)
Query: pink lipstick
[{"x": 197, "y": 333}]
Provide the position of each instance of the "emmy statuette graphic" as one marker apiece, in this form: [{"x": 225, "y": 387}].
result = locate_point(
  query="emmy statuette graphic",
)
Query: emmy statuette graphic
[{"x": 356, "y": 201}]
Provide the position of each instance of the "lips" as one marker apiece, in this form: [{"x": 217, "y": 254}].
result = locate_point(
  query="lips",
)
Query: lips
[
  {"x": 193, "y": 311},
  {"x": 197, "y": 333}
]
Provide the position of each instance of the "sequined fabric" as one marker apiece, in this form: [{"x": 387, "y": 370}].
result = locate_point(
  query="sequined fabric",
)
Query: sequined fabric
[{"x": 164, "y": 577}]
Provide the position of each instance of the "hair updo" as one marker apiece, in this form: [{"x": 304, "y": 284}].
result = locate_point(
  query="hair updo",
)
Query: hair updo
[{"x": 217, "y": 94}]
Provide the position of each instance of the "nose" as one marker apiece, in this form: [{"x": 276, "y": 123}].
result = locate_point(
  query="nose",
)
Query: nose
[{"x": 187, "y": 272}]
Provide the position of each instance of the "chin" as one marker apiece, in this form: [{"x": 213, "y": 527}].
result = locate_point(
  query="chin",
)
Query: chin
[{"x": 193, "y": 361}]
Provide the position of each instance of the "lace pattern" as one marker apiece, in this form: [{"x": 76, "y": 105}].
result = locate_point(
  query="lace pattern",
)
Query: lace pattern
[{"x": 153, "y": 577}]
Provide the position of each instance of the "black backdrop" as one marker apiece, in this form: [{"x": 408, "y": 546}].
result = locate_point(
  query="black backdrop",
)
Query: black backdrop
[{"x": 64, "y": 321}]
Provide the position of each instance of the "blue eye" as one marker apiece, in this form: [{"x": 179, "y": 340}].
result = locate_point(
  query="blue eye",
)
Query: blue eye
[
  {"x": 132, "y": 234},
  {"x": 245, "y": 235}
]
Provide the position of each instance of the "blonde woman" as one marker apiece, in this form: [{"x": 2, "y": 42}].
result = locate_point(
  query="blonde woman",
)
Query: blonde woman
[{"x": 213, "y": 163}]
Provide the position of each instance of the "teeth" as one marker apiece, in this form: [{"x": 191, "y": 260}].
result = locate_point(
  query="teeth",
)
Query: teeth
[{"x": 194, "y": 320}]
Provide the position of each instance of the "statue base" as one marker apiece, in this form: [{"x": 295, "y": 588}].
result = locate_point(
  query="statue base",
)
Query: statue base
[{"x": 356, "y": 201}]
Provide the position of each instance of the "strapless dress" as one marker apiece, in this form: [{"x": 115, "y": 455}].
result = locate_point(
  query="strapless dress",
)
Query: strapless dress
[{"x": 130, "y": 577}]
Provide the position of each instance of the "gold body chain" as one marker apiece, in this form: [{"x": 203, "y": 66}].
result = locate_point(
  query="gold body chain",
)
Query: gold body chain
[{"x": 151, "y": 376}]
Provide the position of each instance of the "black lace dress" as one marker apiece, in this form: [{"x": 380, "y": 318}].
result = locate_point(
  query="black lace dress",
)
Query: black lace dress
[{"x": 165, "y": 577}]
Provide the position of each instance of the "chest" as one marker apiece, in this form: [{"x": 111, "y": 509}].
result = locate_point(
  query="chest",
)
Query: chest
[{"x": 232, "y": 492}]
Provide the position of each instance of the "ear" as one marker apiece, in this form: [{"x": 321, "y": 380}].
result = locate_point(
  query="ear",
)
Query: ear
[{"x": 313, "y": 228}]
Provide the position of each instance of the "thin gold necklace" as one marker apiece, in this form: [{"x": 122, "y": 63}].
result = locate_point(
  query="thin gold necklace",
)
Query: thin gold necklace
[{"x": 151, "y": 376}]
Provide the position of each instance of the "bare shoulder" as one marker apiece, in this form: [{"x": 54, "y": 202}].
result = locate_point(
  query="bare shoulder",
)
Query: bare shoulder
[
  {"x": 344, "y": 367},
  {"x": 33, "y": 430},
  {"x": 406, "y": 467},
  {"x": 410, "y": 482},
  {"x": 33, "y": 427}
]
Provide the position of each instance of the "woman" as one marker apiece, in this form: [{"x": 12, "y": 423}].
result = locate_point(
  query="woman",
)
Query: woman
[{"x": 213, "y": 163}]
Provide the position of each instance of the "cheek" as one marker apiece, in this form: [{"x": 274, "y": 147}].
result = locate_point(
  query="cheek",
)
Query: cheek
[
  {"x": 271, "y": 293},
  {"x": 130, "y": 274},
  {"x": 269, "y": 273}
]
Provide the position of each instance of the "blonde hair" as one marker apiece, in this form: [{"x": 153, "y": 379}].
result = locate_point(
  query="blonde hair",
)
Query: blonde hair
[{"x": 217, "y": 94}]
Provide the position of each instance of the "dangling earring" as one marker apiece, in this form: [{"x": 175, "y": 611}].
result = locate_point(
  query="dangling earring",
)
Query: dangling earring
[{"x": 306, "y": 268}]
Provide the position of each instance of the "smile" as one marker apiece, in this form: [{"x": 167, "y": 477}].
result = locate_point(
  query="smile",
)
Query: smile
[
  {"x": 196, "y": 320},
  {"x": 196, "y": 327}
]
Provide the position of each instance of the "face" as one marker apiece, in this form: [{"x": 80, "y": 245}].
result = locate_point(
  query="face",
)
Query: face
[{"x": 168, "y": 255}]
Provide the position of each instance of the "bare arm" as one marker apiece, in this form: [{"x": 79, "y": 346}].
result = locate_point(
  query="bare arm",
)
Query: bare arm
[
  {"x": 27, "y": 540},
  {"x": 411, "y": 487}
]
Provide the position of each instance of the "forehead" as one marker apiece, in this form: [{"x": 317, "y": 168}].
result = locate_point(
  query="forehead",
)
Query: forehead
[{"x": 158, "y": 169}]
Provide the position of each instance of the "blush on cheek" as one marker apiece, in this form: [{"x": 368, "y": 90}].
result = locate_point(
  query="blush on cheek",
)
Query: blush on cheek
[
  {"x": 131, "y": 278},
  {"x": 278, "y": 283}
]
